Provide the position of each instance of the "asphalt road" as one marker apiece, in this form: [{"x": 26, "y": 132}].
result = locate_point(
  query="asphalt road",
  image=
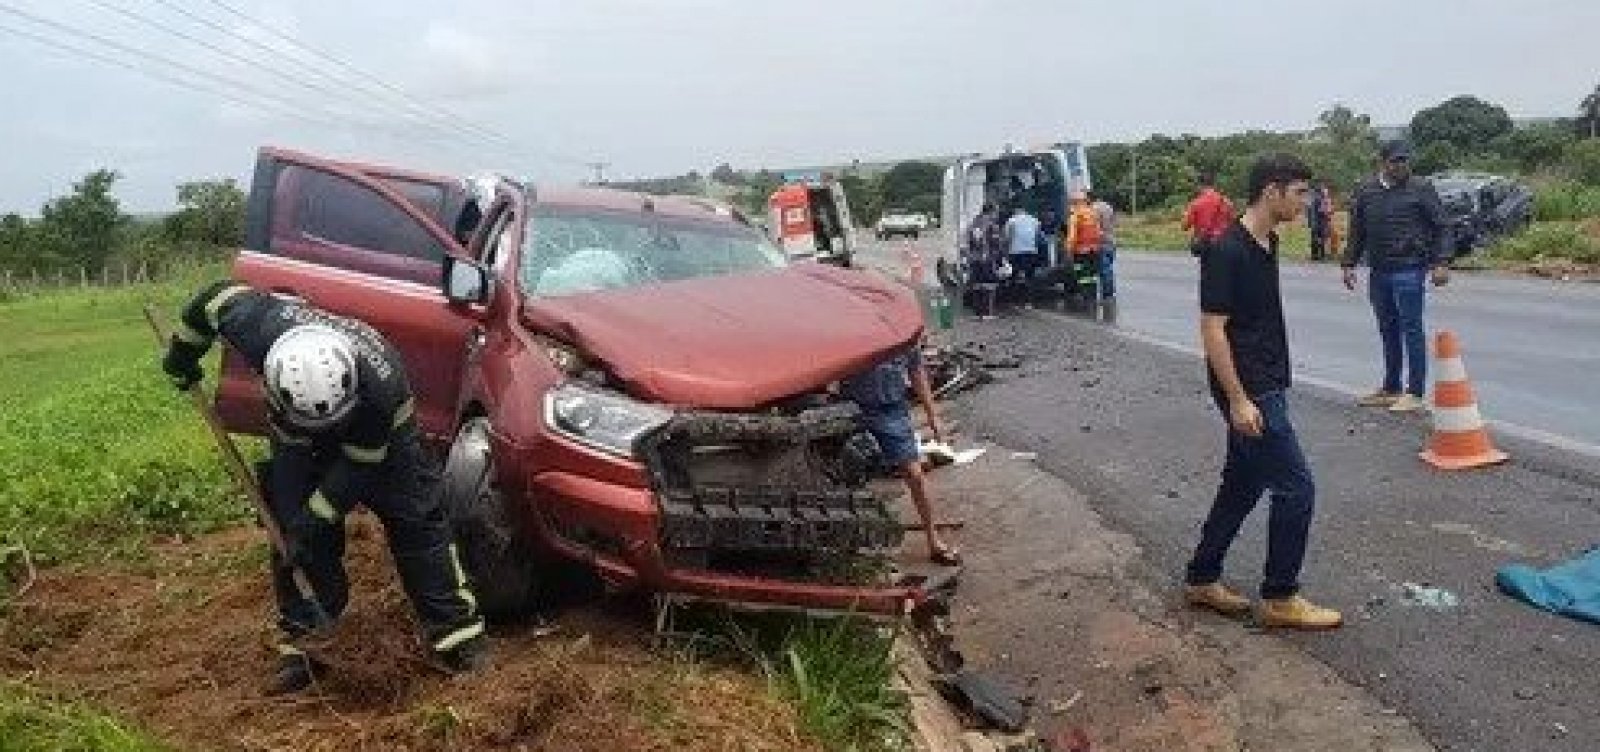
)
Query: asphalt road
[
  {"x": 1532, "y": 346},
  {"x": 1408, "y": 554}
]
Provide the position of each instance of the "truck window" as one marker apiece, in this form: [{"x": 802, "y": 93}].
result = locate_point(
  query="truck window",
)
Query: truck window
[{"x": 341, "y": 215}]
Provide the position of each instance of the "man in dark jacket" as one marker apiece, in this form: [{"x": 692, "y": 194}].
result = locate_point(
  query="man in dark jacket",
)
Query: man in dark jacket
[
  {"x": 341, "y": 417},
  {"x": 1398, "y": 226}
]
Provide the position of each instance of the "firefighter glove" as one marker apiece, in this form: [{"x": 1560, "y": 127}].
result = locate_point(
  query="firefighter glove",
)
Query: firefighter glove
[{"x": 182, "y": 364}]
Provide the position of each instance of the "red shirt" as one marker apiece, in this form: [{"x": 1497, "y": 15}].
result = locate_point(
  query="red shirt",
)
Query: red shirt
[{"x": 1208, "y": 215}]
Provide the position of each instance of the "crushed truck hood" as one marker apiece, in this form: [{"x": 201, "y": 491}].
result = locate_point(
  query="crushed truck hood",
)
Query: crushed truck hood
[{"x": 735, "y": 342}]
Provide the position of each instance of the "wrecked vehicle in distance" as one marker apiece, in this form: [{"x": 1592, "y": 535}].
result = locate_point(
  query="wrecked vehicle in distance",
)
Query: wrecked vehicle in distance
[
  {"x": 1481, "y": 207},
  {"x": 638, "y": 384}
]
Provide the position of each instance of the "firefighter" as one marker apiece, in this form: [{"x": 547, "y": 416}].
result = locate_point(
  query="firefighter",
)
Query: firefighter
[{"x": 340, "y": 413}]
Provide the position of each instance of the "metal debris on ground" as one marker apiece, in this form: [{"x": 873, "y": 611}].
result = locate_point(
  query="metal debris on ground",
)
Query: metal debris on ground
[{"x": 956, "y": 369}]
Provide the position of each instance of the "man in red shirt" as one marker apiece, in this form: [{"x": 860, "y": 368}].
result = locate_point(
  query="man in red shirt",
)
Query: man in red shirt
[{"x": 1208, "y": 216}]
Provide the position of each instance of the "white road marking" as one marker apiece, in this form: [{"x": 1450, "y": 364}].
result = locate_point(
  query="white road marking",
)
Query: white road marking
[{"x": 1526, "y": 433}]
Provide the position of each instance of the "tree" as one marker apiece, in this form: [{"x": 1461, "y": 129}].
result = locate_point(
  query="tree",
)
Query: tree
[
  {"x": 1582, "y": 161},
  {"x": 81, "y": 228},
  {"x": 1589, "y": 113},
  {"x": 211, "y": 212},
  {"x": 866, "y": 201},
  {"x": 725, "y": 174},
  {"x": 1537, "y": 147},
  {"x": 1344, "y": 126},
  {"x": 1467, "y": 123},
  {"x": 1437, "y": 156},
  {"x": 913, "y": 186}
]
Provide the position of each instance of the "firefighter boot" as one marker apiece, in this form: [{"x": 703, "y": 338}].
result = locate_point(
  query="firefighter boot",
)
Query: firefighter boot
[
  {"x": 295, "y": 672},
  {"x": 466, "y": 657}
]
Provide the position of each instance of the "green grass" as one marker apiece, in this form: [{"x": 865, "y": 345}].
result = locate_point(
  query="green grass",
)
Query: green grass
[
  {"x": 35, "y": 721},
  {"x": 96, "y": 449},
  {"x": 1550, "y": 241},
  {"x": 837, "y": 671},
  {"x": 1163, "y": 231}
]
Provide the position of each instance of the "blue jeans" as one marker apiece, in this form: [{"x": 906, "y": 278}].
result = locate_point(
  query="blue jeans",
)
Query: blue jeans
[
  {"x": 1398, "y": 299},
  {"x": 1270, "y": 462},
  {"x": 1108, "y": 276}
]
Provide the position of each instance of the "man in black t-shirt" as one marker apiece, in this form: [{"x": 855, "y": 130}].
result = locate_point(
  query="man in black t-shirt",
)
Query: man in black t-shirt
[
  {"x": 1247, "y": 357},
  {"x": 340, "y": 412}
]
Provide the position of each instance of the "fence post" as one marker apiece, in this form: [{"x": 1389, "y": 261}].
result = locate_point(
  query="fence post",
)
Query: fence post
[{"x": 144, "y": 271}]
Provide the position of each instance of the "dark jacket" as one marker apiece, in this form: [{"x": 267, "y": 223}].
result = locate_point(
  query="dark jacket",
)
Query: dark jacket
[
  {"x": 251, "y": 321},
  {"x": 1400, "y": 227}
]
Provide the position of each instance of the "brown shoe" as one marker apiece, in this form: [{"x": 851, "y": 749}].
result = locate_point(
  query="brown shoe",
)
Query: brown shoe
[
  {"x": 1296, "y": 612},
  {"x": 1379, "y": 398},
  {"x": 1217, "y": 597},
  {"x": 1408, "y": 403}
]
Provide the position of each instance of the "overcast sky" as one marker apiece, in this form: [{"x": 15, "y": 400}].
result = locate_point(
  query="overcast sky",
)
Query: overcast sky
[{"x": 660, "y": 87}]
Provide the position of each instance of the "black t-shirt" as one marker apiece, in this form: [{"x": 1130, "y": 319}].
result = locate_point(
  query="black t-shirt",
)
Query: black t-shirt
[{"x": 1239, "y": 279}]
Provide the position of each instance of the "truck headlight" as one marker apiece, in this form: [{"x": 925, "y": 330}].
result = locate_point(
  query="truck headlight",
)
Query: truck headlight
[{"x": 604, "y": 420}]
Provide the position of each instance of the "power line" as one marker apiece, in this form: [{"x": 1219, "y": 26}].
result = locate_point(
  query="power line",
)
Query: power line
[
  {"x": 136, "y": 52},
  {"x": 395, "y": 90},
  {"x": 224, "y": 92},
  {"x": 175, "y": 80},
  {"x": 228, "y": 54},
  {"x": 422, "y": 118}
]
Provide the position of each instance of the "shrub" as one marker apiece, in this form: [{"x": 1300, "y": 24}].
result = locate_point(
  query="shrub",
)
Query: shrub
[
  {"x": 1551, "y": 240},
  {"x": 1566, "y": 201}
]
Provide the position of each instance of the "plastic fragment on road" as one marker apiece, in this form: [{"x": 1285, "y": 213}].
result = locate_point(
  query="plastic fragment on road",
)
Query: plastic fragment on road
[
  {"x": 1024, "y": 455},
  {"x": 1426, "y": 596},
  {"x": 1570, "y": 589}
]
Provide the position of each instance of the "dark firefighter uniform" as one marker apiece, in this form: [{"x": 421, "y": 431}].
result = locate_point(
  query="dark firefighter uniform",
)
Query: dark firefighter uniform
[{"x": 373, "y": 456}]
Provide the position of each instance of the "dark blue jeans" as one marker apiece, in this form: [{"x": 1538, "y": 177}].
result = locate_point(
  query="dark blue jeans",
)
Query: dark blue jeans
[
  {"x": 1108, "y": 274},
  {"x": 1272, "y": 463},
  {"x": 1398, "y": 299}
]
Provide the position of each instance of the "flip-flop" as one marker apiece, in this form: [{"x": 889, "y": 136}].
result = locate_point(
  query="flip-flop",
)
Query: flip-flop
[{"x": 949, "y": 557}]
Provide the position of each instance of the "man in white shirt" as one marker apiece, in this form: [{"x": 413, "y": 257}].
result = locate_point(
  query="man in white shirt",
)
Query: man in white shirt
[{"x": 1022, "y": 247}]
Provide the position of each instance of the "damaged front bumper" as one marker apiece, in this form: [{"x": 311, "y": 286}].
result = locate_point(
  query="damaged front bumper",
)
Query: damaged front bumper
[{"x": 748, "y": 509}]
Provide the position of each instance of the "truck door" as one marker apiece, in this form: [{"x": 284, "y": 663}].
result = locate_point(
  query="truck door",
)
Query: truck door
[{"x": 359, "y": 241}]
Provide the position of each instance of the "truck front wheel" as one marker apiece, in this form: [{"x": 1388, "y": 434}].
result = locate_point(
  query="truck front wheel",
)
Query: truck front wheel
[{"x": 501, "y": 567}]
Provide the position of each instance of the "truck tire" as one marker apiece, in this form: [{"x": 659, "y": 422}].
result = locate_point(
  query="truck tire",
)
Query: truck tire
[{"x": 500, "y": 565}]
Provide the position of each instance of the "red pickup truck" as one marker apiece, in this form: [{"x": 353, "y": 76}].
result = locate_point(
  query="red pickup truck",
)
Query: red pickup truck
[{"x": 639, "y": 384}]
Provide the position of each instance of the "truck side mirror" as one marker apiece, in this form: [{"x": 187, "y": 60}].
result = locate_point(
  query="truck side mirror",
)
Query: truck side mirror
[{"x": 465, "y": 282}]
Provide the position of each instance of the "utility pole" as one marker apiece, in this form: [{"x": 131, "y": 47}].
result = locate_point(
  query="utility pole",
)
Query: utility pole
[{"x": 599, "y": 171}]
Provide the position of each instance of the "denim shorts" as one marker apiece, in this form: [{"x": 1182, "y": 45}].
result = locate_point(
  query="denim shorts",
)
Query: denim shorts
[{"x": 895, "y": 434}]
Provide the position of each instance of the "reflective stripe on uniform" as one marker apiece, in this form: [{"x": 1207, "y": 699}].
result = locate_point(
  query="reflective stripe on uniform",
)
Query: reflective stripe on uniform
[
  {"x": 322, "y": 508},
  {"x": 464, "y": 592},
  {"x": 285, "y": 437},
  {"x": 285, "y": 648},
  {"x": 403, "y": 412},
  {"x": 214, "y": 305},
  {"x": 187, "y": 334},
  {"x": 459, "y": 636},
  {"x": 366, "y": 455}
]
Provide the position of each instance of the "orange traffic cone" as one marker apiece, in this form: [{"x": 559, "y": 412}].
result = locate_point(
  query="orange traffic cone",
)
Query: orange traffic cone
[{"x": 1459, "y": 440}]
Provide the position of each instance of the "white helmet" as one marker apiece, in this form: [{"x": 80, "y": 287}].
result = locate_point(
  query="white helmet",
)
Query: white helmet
[{"x": 311, "y": 375}]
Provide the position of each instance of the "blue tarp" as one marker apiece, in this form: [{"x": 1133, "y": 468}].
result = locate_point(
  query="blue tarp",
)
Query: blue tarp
[{"x": 1570, "y": 589}]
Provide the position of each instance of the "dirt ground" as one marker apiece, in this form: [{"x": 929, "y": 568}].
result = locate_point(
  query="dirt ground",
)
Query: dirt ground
[{"x": 180, "y": 645}]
